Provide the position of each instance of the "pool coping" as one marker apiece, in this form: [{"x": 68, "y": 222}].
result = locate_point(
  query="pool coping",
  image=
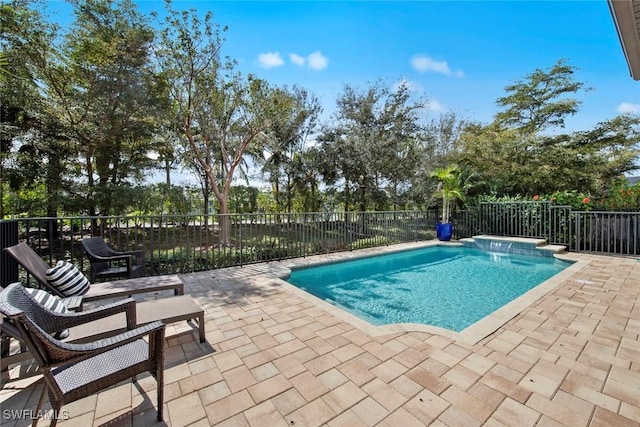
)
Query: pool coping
[{"x": 471, "y": 335}]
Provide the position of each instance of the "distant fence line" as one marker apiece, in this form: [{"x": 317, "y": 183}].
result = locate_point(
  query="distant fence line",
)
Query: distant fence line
[
  {"x": 187, "y": 243},
  {"x": 615, "y": 233}
]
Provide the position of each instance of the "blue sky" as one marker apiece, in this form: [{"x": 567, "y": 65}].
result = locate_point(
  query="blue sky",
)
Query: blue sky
[{"x": 458, "y": 54}]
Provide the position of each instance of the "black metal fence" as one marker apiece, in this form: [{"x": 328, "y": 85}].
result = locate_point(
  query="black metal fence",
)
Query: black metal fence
[
  {"x": 187, "y": 243},
  {"x": 616, "y": 233}
]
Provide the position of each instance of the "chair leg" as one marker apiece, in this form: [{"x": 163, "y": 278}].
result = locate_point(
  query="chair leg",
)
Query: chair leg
[
  {"x": 54, "y": 417},
  {"x": 39, "y": 407},
  {"x": 5, "y": 345},
  {"x": 160, "y": 379}
]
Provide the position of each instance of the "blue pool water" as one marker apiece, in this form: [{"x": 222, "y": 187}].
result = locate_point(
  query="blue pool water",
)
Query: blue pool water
[{"x": 449, "y": 287}]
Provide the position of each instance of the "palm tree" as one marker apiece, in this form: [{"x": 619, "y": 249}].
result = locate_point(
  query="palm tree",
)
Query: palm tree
[{"x": 448, "y": 187}]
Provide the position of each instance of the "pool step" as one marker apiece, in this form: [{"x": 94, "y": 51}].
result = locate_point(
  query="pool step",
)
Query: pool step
[{"x": 521, "y": 245}]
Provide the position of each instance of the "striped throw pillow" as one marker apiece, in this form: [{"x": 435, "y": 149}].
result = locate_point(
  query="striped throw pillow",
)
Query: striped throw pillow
[
  {"x": 44, "y": 298},
  {"x": 50, "y": 302},
  {"x": 67, "y": 279}
]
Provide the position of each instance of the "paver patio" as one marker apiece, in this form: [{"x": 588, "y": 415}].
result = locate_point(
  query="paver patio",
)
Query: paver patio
[{"x": 274, "y": 357}]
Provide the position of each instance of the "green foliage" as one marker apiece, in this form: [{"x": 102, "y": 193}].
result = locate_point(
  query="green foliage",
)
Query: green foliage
[
  {"x": 576, "y": 199},
  {"x": 220, "y": 116},
  {"x": 243, "y": 199},
  {"x": 89, "y": 97},
  {"x": 181, "y": 260},
  {"x": 513, "y": 156},
  {"x": 283, "y": 157},
  {"x": 84, "y": 105},
  {"x": 621, "y": 196},
  {"x": 369, "y": 242},
  {"x": 27, "y": 201},
  {"x": 108, "y": 94},
  {"x": 266, "y": 203},
  {"x": 268, "y": 252},
  {"x": 449, "y": 187},
  {"x": 4, "y": 69},
  {"x": 541, "y": 100},
  {"x": 370, "y": 144}
]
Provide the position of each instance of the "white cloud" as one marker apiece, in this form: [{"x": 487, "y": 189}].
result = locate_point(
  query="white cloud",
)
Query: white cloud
[
  {"x": 424, "y": 64},
  {"x": 435, "y": 106},
  {"x": 297, "y": 59},
  {"x": 627, "y": 107},
  {"x": 314, "y": 61},
  {"x": 270, "y": 60},
  {"x": 317, "y": 61}
]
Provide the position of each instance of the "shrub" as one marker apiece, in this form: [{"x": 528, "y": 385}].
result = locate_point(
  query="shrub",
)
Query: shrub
[
  {"x": 182, "y": 261},
  {"x": 269, "y": 252},
  {"x": 577, "y": 200},
  {"x": 369, "y": 242},
  {"x": 621, "y": 196}
]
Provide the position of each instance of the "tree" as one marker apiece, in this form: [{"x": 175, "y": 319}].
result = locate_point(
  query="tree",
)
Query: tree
[
  {"x": 449, "y": 188},
  {"x": 308, "y": 179},
  {"x": 540, "y": 101},
  {"x": 437, "y": 146},
  {"x": 219, "y": 114},
  {"x": 493, "y": 152},
  {"x": 34, "y": 149},
  {"x": 284, "y": 146},
  {"x": 518, "y": 154},
  {"x": 108, "y": 94},
  {"x": 93, "y": 98},
  {"x": 375, "y": 129},
  {"x": 597, "y": 157}
]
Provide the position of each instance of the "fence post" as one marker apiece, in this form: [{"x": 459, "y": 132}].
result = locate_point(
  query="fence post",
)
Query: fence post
[
  {"x": 8, "y": 237},
  {"x": 577, "y": 248}
]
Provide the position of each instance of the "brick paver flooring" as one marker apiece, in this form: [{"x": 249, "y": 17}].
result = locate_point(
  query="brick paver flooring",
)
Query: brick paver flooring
[{"x": 274, "y": 358}]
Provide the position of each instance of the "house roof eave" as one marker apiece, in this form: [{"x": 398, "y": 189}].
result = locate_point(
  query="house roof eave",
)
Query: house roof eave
[{"x": 626, "y": 17}]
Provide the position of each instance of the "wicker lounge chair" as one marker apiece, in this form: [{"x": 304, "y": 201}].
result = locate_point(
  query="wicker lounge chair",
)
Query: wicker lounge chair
[
  {"x": 107, "y": 263},
  {"x": 75, "y": 371},
  {"x": 37, "y": 268},
  {"x": 122, "y": 314}
]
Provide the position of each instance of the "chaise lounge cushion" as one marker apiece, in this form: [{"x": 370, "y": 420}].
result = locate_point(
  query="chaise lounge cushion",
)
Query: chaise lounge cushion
[
  {"x": 50, "y": 302},
  {"x": 67, "y": 279}
]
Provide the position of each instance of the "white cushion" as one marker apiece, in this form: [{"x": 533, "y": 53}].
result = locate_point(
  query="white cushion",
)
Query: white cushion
[{"x": 44, "y": 298}]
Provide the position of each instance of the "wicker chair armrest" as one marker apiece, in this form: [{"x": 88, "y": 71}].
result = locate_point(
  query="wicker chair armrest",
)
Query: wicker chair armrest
[
  {"x": 73, "y": 303},
  {"x": 154, "y": 330},
  {"x": 70, "y": 319}
]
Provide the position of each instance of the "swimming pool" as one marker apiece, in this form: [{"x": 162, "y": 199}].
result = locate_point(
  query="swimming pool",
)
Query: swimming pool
[{"x": 448, "y": 287}]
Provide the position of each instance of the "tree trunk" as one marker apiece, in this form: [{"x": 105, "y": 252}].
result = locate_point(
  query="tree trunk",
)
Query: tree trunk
[
  {"x": 167, "y": 172},
  {"x": 224, "y": 238},
  {"x": 289, "y": 195}
]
